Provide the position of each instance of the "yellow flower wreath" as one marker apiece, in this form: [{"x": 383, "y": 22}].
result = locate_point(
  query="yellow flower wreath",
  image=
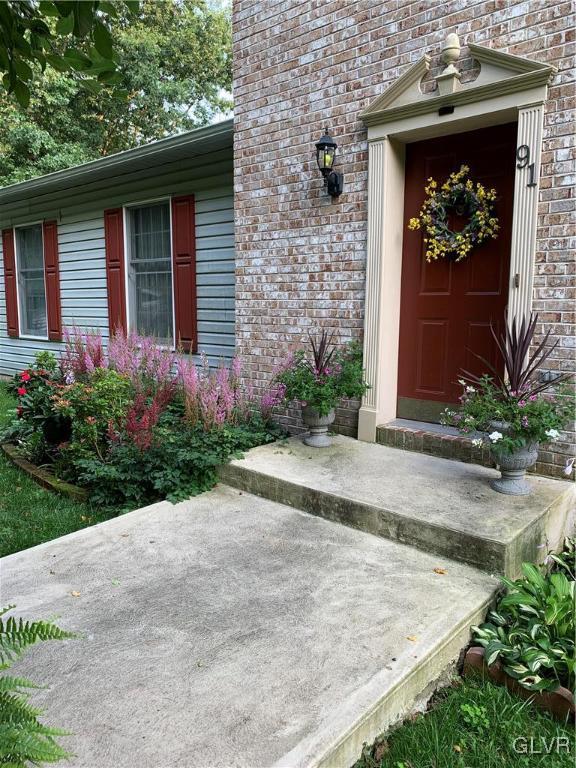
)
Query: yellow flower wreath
[{"x": 460, "y": 194}]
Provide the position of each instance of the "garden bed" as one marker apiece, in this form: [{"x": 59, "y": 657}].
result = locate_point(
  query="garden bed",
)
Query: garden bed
[
  {"x": 132, "y": 424},
  {"x": 559, "y": 703},
  {"x": 43, "y": 477}
]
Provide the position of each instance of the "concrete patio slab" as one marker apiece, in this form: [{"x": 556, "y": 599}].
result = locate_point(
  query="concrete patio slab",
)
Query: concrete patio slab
[
  {"x": 232, "y": 631},
  {"x": 435, "y": 504}
]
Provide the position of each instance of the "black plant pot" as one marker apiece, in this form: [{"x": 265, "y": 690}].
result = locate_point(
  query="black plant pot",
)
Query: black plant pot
[{"x": 57, "y": 429}]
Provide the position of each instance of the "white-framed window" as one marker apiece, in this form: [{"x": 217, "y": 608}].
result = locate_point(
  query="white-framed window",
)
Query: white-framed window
[
  {"x": 149, "y": 270},
  {"x": 31, "y": 283}
]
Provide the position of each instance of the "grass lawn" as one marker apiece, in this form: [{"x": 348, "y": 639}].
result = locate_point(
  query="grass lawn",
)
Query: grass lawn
[
  {"x": 29, "y": 514},
  {"x": 474, "y": 724}
]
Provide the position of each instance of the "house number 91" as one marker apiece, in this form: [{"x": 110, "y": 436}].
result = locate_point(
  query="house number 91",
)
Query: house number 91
[{"x": 523, "y": 157}]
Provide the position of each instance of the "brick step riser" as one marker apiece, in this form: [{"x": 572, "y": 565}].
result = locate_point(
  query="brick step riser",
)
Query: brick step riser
[{"x": 453, "y": 447}]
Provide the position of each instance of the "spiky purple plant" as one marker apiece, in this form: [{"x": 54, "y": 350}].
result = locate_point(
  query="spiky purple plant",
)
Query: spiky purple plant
[
  {"x": 514, "y": 346},
  {"x": 322, "y": 351}
]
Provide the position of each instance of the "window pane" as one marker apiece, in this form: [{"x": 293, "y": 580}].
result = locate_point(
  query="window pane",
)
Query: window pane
[
  {"x": 151, "y": 271},
  {"x": 31, "y": 287}
]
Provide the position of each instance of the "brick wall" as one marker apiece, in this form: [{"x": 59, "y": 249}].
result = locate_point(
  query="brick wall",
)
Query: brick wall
[{"x": 303, "y": 64}]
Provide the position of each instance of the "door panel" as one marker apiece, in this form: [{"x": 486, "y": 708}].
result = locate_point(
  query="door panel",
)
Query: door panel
[{"x": 447, "y": 307}]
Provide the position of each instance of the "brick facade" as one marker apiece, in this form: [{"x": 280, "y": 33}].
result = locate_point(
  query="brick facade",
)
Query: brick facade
[{"x": 304, "y": 64}]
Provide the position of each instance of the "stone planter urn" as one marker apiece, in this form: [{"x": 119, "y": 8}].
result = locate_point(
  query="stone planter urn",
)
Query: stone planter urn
[
  {"x": 317, "y": 425},
  {"x": 512, "y": 466}
]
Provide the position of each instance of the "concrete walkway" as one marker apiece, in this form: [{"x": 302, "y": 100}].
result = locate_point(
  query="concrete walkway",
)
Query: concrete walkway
[{"x": 229, "y": 630}]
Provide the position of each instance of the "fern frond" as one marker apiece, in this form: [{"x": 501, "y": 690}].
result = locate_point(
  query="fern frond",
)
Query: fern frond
[
  {"x": 15, "y": 709},
  {"x": 16, "y": 635},
  {"x": 8, "y": 683},
  {"x": 33, "y": 744},
  {"x": 24, "y": 741}
]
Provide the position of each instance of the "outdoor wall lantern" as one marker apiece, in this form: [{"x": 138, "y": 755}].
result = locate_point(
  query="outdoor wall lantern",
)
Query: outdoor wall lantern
[{"x": 326, "y": 157}]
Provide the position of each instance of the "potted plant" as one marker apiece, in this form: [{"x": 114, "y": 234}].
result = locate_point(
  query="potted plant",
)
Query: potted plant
[
  {"x": 318, "y": 378},
  {"x": 514, "y": 409}
]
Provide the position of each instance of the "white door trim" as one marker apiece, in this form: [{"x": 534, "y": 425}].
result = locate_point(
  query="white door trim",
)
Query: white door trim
[{"x": 510, "y": 89}]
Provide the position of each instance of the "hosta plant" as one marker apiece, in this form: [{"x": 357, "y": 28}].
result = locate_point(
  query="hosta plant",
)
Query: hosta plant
[
  {"x": 24, "y": 740},
  {"x": 532, "y": 630}
]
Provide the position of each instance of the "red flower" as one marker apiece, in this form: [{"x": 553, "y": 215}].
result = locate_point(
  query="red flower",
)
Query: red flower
[
  {"x": 25, "y": 376},
  {"x": 21, "y": 391}
]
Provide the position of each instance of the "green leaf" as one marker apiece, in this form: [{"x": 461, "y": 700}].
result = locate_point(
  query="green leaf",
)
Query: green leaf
[
  {"x": 57, "y": 62},
  {"x": 65, "y": 25},
  {"x": 77, "y": 59},
  {"x": 84, "y": 18},
  {"x": 103, "y": 40},
  {"x": 110, "y": 77},
  {"x": 533, "y": 575},
  {"x": 48, "y": 9},
  {"x": 91, "y": 85},
  {"x": 21, "y": 92},
  {"x": 23, "y": 70},
  {"x": 108, "y": 8}
]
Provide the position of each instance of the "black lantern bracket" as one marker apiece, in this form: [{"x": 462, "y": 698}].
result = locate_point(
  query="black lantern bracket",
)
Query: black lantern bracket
[
  {"x": 334, "y": 183},
  {"x": 326, "y": 158}
]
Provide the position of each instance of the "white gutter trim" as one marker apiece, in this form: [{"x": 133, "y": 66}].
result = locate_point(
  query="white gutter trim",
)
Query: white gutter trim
[{"x": 81, "y": 173}]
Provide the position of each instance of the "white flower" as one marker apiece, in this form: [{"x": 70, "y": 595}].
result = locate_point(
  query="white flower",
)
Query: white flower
[
  {"x": 69, "y": 378},
  {"x": 495, "y": 436},
  {"x": 553, "y": 434},
  {"x": 462, "y": 382},
  {"x": 471, "y": 389},
  {"x": 478, "y": 442}
]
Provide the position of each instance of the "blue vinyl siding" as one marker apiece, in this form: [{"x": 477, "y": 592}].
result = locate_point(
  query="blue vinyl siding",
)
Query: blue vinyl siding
[{"x": 83, "y": 269}]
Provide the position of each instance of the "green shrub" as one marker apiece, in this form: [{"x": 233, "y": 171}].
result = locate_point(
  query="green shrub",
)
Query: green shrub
[
  {"x": 532, "y": 630},
  {"x": 91, "y": 409},
  {"x": 180, "y": 461},
  {"x": 24, "y": 740},
  {"x": 34, "y": 388}
]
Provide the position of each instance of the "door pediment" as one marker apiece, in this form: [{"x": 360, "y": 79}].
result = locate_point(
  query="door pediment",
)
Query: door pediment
[{"x": 500, "y": 74}]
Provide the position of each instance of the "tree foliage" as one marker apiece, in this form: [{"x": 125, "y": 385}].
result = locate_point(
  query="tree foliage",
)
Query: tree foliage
[
  {"x": 173, "y": 72},
  {"x": 65, "y": 35}
]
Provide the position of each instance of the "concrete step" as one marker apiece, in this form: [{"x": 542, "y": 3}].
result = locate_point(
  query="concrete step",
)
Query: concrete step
[
  {"x": 434, "y": 504},
  {"x": 229, "y": 630}
]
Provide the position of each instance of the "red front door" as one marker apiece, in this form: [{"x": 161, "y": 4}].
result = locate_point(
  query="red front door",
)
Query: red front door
[{"x": 447, "y": 307}]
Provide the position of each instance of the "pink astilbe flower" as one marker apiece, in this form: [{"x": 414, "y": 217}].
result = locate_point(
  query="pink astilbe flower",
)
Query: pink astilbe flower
[
  {"x": 83, "y": 352},
  {"x": 141, "y": 358},
  {"x": 208, "y": 402},
  {"x": 271, "y": 399},
  {"x": 144, "y": 414},
  {"x": 188, "y": 379}
]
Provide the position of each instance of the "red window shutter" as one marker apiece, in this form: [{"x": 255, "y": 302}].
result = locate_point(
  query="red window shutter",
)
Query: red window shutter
[
  {"x": 114, "y": 241},
  {"x": 10, "y": 282},
  {"x": 184, "y": 266},
  {"x": 52, "y": 279}
]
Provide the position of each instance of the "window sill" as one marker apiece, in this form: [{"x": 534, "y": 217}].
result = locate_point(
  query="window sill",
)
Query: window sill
[{"x": 32, "y": 338}]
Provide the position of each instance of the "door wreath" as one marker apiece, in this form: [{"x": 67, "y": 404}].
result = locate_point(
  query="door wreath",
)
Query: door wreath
[{"x": 468, "y": 199}]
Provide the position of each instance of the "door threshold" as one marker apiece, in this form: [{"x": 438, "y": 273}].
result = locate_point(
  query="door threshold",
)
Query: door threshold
[{"x": 425, "y": 426}]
